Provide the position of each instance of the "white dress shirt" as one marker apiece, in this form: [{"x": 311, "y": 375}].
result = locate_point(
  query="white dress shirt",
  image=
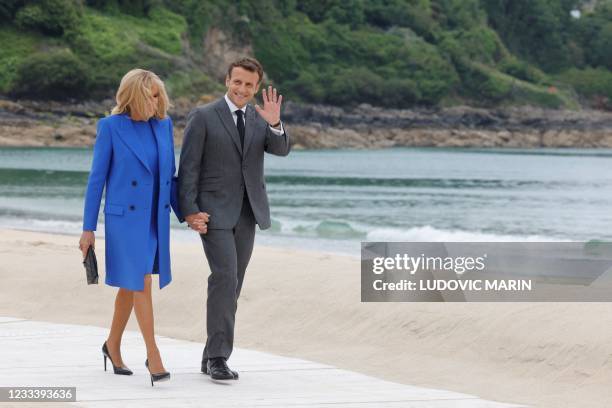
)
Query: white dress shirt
[{"x": 233, "y": 108}]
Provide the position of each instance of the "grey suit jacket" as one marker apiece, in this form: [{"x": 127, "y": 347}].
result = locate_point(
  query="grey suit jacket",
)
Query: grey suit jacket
[{"x": 214, "y": 171}]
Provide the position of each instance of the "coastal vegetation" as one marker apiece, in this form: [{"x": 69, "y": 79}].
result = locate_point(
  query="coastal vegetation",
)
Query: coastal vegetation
[{"x": 390, "y": 53}]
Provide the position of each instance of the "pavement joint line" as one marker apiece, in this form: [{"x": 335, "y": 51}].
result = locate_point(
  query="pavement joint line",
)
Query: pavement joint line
[
  {"x": 292, "y": 404},
  {"x": 177, "y": 370},
  {"x": 15, "y": 321}
]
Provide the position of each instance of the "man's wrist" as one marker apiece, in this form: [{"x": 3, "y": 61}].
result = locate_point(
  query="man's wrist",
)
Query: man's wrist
[{"x": 276, "y": 125}]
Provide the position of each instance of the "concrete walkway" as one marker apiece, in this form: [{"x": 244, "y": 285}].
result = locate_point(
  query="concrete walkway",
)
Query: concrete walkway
[{"x": 48, "y": 354}]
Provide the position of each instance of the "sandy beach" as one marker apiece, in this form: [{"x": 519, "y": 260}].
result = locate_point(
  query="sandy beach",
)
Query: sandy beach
[{"x": 307, "y": 305}]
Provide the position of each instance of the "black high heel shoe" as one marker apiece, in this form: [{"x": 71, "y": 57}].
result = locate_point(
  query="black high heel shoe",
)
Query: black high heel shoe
[
  {"x": 116, "y": 370},
  {"x": 165, "y": 376}
]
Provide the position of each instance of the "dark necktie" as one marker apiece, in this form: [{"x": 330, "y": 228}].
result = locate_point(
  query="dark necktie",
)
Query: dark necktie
[{"x": 240, "y": 125}]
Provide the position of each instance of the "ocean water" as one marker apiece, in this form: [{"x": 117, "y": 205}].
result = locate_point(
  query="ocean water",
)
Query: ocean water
[{"x": 332, "y": 200}]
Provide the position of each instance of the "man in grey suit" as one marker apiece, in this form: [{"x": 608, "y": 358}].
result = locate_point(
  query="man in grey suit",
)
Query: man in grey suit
[{"x": 222, "y": 191}]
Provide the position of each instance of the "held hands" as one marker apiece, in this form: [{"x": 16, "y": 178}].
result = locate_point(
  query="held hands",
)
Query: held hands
[
  {"x": 88, "y": 239},
  {"x": 271, "y": 109},
  {"x": 198, "y": 221}
]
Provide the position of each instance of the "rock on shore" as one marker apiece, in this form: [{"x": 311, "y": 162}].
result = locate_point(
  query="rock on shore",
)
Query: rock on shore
[{"x": 36, "y": 123}]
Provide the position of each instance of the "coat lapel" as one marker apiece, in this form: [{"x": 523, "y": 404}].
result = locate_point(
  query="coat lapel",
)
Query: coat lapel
[
  {"x": 128, "y": 134},
  {"x": 249, "y": 127},
  {"x": 228, "y": 122},
  {"x": 161, "y": 146}
]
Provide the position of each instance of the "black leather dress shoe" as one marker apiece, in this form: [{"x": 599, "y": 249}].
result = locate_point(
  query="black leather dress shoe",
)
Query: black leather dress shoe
[
  {"x": 218, "y": 370},
  {"x": 204, "y": 370}
]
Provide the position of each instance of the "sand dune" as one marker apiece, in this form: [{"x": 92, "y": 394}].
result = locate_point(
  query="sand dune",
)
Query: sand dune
[{"x": 307, "y": 305}]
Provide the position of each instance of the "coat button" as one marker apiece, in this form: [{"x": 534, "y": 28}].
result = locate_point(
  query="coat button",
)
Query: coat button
[
  {"x": 166, "y": 206},
  {"x": 134, "y": 182},
  {"x": 167, "y": 182},
  {"x": 132, "y": 207}
]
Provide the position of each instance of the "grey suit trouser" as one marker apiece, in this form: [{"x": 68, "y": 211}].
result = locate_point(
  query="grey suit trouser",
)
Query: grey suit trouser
[{"x": 228, "y": 252}]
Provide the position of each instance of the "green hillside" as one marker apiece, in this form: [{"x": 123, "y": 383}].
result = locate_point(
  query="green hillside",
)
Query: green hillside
[{"x": 398, "y": 53}]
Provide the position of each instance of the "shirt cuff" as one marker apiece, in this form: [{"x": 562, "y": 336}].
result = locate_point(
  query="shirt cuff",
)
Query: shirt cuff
[{"x": 277, "y": 131}]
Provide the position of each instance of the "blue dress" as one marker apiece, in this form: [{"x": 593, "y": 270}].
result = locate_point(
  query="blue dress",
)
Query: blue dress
[{"x": 144, "y": 131}]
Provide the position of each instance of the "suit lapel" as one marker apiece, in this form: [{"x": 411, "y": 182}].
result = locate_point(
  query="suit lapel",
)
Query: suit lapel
[
  {"x": 228, "y": 122},
  {"x": 128, "y": 134},
  {"x": 249, "y": 127}
]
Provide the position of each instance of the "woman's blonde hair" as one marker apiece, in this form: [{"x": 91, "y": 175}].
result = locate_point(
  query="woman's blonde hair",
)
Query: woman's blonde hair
[{"x": 134, "y": 91}]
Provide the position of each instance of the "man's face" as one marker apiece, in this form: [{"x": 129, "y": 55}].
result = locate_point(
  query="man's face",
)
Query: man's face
[{"x": 242, "y": 85}]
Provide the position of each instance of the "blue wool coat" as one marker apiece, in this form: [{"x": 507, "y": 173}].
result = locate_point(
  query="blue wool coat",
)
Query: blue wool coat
[{"x": 119, "y": 164}]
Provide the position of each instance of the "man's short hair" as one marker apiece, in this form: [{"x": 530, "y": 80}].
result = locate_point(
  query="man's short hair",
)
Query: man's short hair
[{"x": 250, "y": 64}]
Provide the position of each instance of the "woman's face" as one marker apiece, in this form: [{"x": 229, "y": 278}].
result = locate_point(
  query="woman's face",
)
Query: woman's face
[{"x": 152, "y": 101}]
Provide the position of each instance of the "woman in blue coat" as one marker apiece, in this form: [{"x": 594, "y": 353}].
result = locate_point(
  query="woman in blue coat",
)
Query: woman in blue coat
[{"x": 134, "y": 159}]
